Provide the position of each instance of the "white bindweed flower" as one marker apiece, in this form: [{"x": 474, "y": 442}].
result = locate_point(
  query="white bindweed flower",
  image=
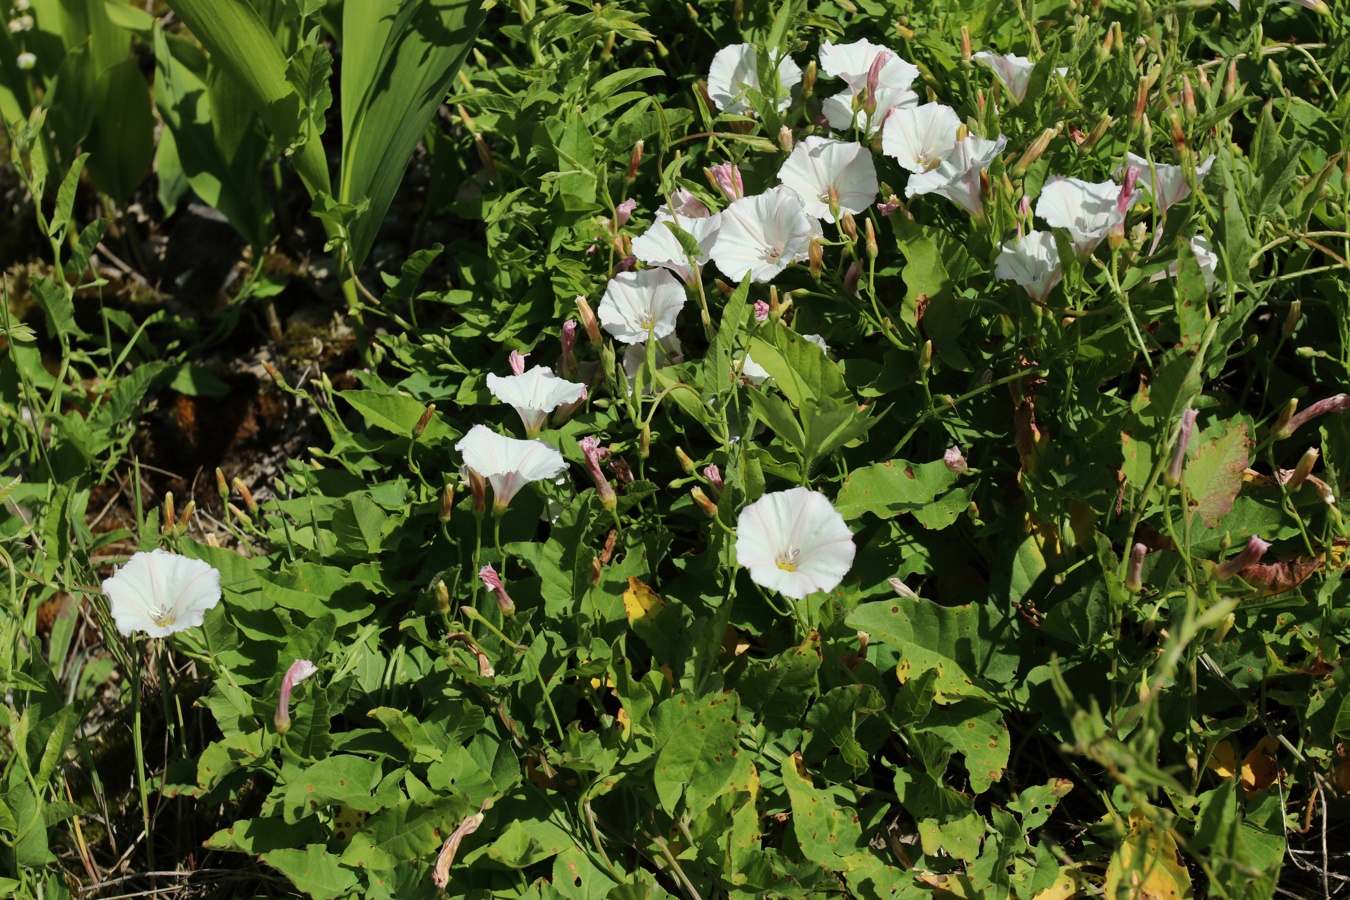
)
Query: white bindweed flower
[
  {"x": 920, "y": 137},
  {"x": 508, "y": 463},
  {"x": 854, "y": 63},
  {"x": 817, "y": 165},
  {"x": 658, "y": 245},
  {"x": 760, "y": 235},
  {"x": 1165, "y": 184},
  {"x": 1032, "y": 262},
  {"x": 161, "y": 593},
  {"x": 1087, "y": 210},
  {"x": 735, "y": 70},
  {"x": 637, "y": 305},
  {"x": 958, "y": 176},
  {"x": 1207, "y": 258},
  {"x": 1014, "y": 71},
  {"x": 534, "y": 394},
  {"x": 794, "y": 542}
]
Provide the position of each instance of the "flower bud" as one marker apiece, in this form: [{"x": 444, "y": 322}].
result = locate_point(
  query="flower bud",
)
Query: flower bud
[
  {"x": 170, "y": 519},
  {"x": 692, "y": 10},
  {"x": 851, "y": 278},
  {"x": 871, "y": 234},
  {"x": 1140, "y": 101},
  {"x": 440, "y": 875},
  {"x": 926, "y": 356},
  {"x": 185, "y": 517},
  {"x": 1134, "y": 573},
  {"x": 1230, "y": 83},
  {"x": 447, "y": 503},
  {"x": 485, "y": 156},
  {"x": 422, "y": 423},
  {"x": 714, "y": 476},
  {"x": 763, "y": 309},
  {"x": 1104, "y": 51},
  {"x": 1292, "y": 318},
  {"x": 902, "y": 589},
  {"x": 1338, "y": 403},
  {"x": 785, "y": 138},
  {"x": 645, "y": 441},
  {"x": 588, "y": 321},
  {"x": 965, "y": 43},
  {"x": 962, "y": 132},
  {"x": 493, "y": 582},
  {"x": 591, "y": 449},
  {"x": 953, "y": 459},
  {"x": 240, "y": 516},
  {"x": 1173, "y": 475},
  {"x": 1303, "y": 469},
  {"x": 1097, "y": 133},
  {"x": 809, "y": 79},
  {"x": 623, "y": 212},
  {"x": 442, "y": 594},
  {"x": 633, "y": 162},
  {"x": 815, "y": 252},
  {"x": 708, "y": 507},
  {"x": 1250, "y": 555},
  {"x": 900, "y": 28},
  {"x": 847, "y": 224},
  {"x": 1035, "y": 151},
  {"x": 1188, "y": 98},
  {"x": 726, "y": 177},
  {"x": 298, "y": 672},
  {"x": 247, "y": 496},
  {"x": 1177, "y": 130},
  {"x": 685, "y": 462},
  {"x": 478, "y": 490},
  {"x": 26, "y": 61}
]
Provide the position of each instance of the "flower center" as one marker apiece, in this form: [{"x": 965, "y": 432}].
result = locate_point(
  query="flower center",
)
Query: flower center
[
  {"x": 928, "y": 160},
  {"x": 787, "y": 560},
  {"x": 773, "y": 254},
  {"x": 647, "y": 321},
  {"x": 163, "y": 616}
]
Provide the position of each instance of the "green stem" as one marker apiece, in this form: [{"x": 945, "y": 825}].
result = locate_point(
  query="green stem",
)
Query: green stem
[{"x": 139, "y": 748}]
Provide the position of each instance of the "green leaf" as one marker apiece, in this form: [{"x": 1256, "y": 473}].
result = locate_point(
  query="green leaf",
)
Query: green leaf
[
  {"x": 308, "y": 71},
  {"x": 974, "y": 729},
  {"x": 698, "y": 751},
  {"x": 57, "y": 305},
  {"x": 834, "y": 719},
  {"x": 254, "y": 836},
  {"x": 397, "y": 64},
  {"x": 396, "y": 413},
  {"x": 313, "y": 870},
  {"x": 799, "y": 368},
  {"x": 405, "y": 832},
  {"x": 65, "y": 197},
  {"x": 968, "y": 646},
  {"x": 122, "y": 140},
  {"x": 780, "y": 689},
  {"x": 343, "y": 780},
  {"x": 888, "y": 489},
  {"x": 825, "y": 832},
  {"x": 1214, "y": 476}
]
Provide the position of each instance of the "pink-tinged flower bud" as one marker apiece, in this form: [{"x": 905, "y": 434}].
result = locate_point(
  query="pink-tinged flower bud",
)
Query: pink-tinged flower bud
[
  {"x": 1178, "y": 131},
  {"x": 1140, "y": 101},
  {"x": 590, "y": 447},
  {"x": 493, "y": 582},
  {"x": 1134, "y": 574},
  {"x": 1324, "y": 491},
  {"x": 709, "y": 508},
  {"x": 851, "y": 278},
  {"x": 955, "y": 461},
  {"x": 589, "y": 321},
  {"x": 422, "y": 423},
  {"x": 568, "y": 360},
  {"x": 1338, "y": 403},
  {"x": 478, "y": 490},
  {"x": 1303, "y": 469},
  {"x": 298, "y": 672},
  {"x": 1250, "y": 555},
  {"x": 726, "y": 177},
  {"x": 447, "y": 503},
  {"x": 1104, "y": 51},
  {"x": 1173, "y": 474},
  {"x": 1127, "y": 189},
  {"x": 815, "y": 253},
  {"x": 623, "y": 212},
  {"x": 627, "y": 264},
  {"x": 485, "y": 669},
  {"x": 1230, "y": 82},
  {"x": 517, "y": 362},
  {"x": 685, "y": 462},
  {"x": 1188, "y": 97},
  {"x": 441, "y": 875},
  {"x": 714, "y": 476},
  {"x": 874, "y": 80},
  {"x": 888, "y": 207},
  {"x": 761, "y": 311},
  {"x": 633, "y": 162},
  {"x": 902, "y": 589}
]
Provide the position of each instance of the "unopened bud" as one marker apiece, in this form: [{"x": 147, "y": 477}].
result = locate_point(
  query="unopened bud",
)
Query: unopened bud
[
  {"x": 903, "y": 30},
  {"x": 848, "y": 225},
  {"x": 1140, "y": 101},
  {"x": 926, "y": 356},
  {"x": 1178, "y": 131},
  {"x": 478, "y": 491},
  {"x": 1134, "y": 573},
  {"x": 170, "y": 519},
  {"x": 1035, "y": 151},
  {"x": 1303, "y": 469},
  {"x": 871, "y": 234},
  {"x": 447, "y": 502},
  {"x": 965, "y": 43},
  {"x": 493, "y": 582},
  {"x": 1250, "y": 555},
  {"x": 421, "y": 425},
  {"x": 247, "y": 496},
  {"x": 442, "y": 597},
  {"x": 955, "y": 460},
  {"x": 692, "y": 10},
  {"x": 708, "y": 507},
  {"x": 1230, "y": 83},
  {"x": 815, "y": 252},
  {"x": 1173, "y": 475},
  {"x": 589, "y": 321},
  {"x": 809, "y": 79},
  {"x": 962, "y": 132},
  {"x": 1286, "y": 427},
  {"x": 1188, "y": 98},
  {"x": 222, "y": 486},
  {"x": 1292, "y": 318},
  {"x": 299, "y": 670},
  {"x": 185, "y": 517},
  {"x": 485, "y": 156},
  {"x": 1104, "y": 51},
  {"x": 240, "y": 516},
  {"x": 685, "y": 462},
  {"x": 645, "y": 442},
  {"x": 1097, "y": 133},
  {"x": 1203, "y": 80},
  {"x": 785, "y": 138}
]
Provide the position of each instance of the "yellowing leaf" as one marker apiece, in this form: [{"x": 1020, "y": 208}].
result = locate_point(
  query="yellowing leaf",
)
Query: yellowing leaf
[
  {"x": 1214, "y": 476},
  {"x": 641, "y": 603},
  {"x": 1064, "y": 887},
  {"x": 1146, "y": 865},
  {"x": 1260, "y": 768},
  {"x": 1223, "y": 761}
]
